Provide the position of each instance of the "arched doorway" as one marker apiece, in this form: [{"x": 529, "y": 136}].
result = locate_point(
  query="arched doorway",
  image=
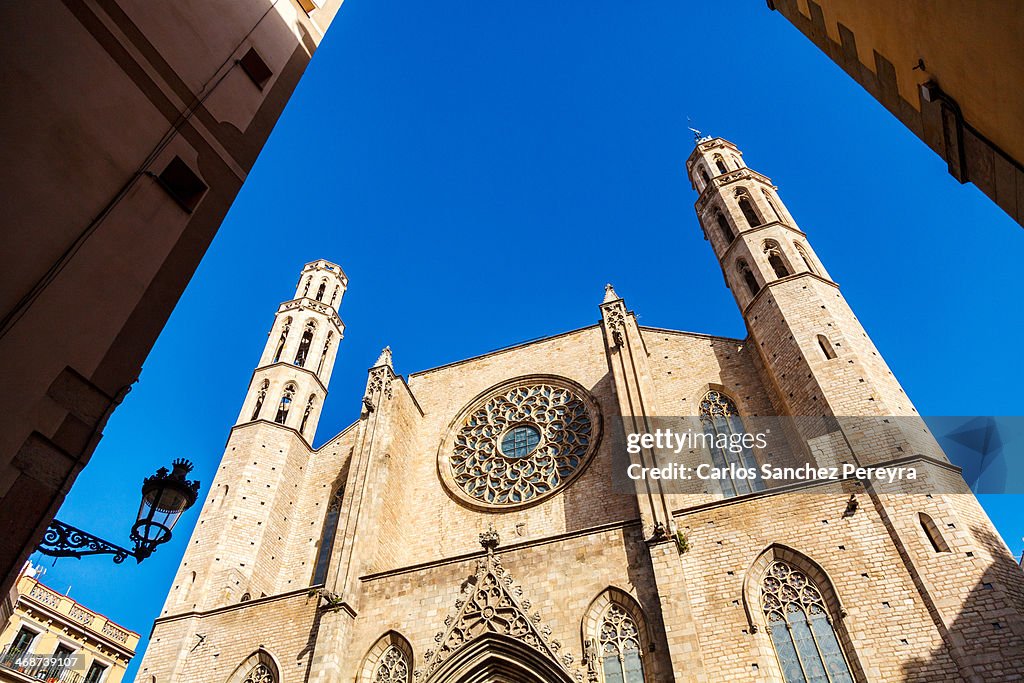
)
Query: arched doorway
[{"x": 495, "y": 658}]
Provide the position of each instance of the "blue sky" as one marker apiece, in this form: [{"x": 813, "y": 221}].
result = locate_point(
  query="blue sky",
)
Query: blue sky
[{"x": 480, "y": 170}]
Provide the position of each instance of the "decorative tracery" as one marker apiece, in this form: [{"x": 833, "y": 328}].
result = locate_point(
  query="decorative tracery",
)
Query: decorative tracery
[
  {"x": 801, "y": 628},
  {"x": 260, "y": 673},
  {"x": 620, "y": 647},
  {"x": 522, "y": 443},
  {"x": 393, "y": 667},
  {"x": 720, "y": 417}
]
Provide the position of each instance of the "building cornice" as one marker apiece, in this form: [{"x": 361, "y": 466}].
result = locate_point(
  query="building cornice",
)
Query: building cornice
[
  {"x": 720, "y": 181},
  {"x": 307, "y": 304}
]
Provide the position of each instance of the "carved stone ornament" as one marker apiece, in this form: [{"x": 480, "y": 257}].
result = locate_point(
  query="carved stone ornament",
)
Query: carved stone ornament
[
  {"x": 614, "y": 314},
  {"x": 379, "y": 382},
  {"x": 520, "y": 442},
  {"x": 490, "y": 605}
]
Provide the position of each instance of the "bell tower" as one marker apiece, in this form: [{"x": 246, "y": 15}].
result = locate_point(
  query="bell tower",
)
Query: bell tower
[
  {"x": 290, "y": 383},
  {"x": 812, "y": 348}
]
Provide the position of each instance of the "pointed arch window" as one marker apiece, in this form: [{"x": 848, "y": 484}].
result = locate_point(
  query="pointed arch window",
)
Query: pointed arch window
[
  {"x": 320, "y": 292},
  {"x": 305, "y": 290},
  {"x": 285, "y": 405},
  {"x": 775, "y": 259},
  {"x": 801, "y": 628},
  {"x": 307, "y": 339},
  {"x": 619, "y": 640},
  {"x": 721, "y": 420},
  {"x": 748, "y": 277},
  {"x": 772, "y": 206},
  {"x": 932, "y": 533},
  {"x": 749, "y": 213},
  {"x": 803, "y": 255},
  {"x": 724, "y": 227},
  {"x": 704, "y": 176},
  {"x": 826, "y": 347},
  {"x": 323, "y": 557},
  {"x": 334, "y": 295},
  {"x": 393, "y": 667},
  {"x": 323, "y": 354},
  {"x": 720, "y": 163},
  {"x": 260, "y": 397},
  {"x": 261, "y": 673},
  {"x": 305, "y": 415},
  {"x": 284, "y": 337}
]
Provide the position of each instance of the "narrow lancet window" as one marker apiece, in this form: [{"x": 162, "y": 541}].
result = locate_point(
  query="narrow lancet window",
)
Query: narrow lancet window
[
  {"x": 337, "y": 288},
  {"x": 282, "y": 340},
  {"x": 305, "y": 290},
  {"x": 724, "y": 227},
  {"x": 323, "y": 354},
  {"x": 285, "y": 405},
  {"x": 774, "y": 253},
  {"x": 720, "y": 163},
  {"x": 307, "y": 339},
  {"x": 320, "y": 292},
  {"x": 747, "y": 207},
  {"x": 704, "y": 176},
  {"x": 801, "y": 628},
  {"x": 932, "y": 533},
  {"x": 260, "y": 397},
  {"x": 305, "y": 415},
  {"x": 748, "y": 277},
  {"x": 621, "y": 658},
  {"x": 771, "y": 205},
  {"x": 826, "y": 347},
  {"x": 806, "y": 259},
  {"x": 323, "y": 558}
]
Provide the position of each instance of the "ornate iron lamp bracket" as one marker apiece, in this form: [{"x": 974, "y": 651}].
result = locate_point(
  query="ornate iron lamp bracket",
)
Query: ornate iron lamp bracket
[{"x": 64, "y": 540}]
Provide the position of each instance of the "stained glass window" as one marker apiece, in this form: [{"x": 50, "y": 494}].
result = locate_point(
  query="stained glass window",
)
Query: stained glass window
[
  {"x": 620, "y": 648},
  {"x": 800, "y": 628},
  {"x": 719, "y": 416},
  {"x": 323, "y": 558},
  {"x": 260, "y": 673},
  {"x": 393, "y": 667},
  {"x": 520, "y": 441}
]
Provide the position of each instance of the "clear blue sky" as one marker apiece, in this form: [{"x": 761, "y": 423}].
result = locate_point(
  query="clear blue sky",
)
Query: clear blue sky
[{"x": 481, "y": 169}]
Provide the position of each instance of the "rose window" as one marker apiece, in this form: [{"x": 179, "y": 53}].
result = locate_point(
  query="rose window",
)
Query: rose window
[{"x": 520, "y": 442}]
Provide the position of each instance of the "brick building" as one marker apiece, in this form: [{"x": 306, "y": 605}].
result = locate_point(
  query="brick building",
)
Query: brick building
[{"x": 469, "y": 526}]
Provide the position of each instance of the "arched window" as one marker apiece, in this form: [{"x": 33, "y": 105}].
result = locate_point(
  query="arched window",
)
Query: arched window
[
  {"x": 724, "y": 227},
  {"x": 307, "y": 338},
  {"x": 320, "y": 292},
  {"x": 720, "y": 163},
  {"x": 619, "y": 642},
  {"x": 246, "y": 597},
  {"x": 306, "y": 413},
  {"x": 721, "y": 420},
  {"x": 393, "y": 667},
  {"x": 337, "y": 288},
  {"x": 826, "y": 347},
  {"x": 284, "y": 337},
  {"x": 323, "y": 557},
  {"x": 704, "y": 176},
  {"x": 771, "y": 205},
  {"x": 285, "y": 405},
  {"x": 748, "y": 276},
  {"x": 932, "y": 533},
  {"x": 803, "y": 255},
  {"x": 261, "y": 673},
  {"x": 323, "y": 354},
  {"x": 260, "y": 397},
  {"x": 747, "y": 207},
  {"x": 305, "y": 290},
  {"x": 736, "y": 160},
  {"x": 801, "y": 628},
  {"x": 774, "y": 253}
]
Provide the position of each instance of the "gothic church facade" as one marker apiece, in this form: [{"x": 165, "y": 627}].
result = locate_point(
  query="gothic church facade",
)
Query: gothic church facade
[{"x": 466, "y": 529}]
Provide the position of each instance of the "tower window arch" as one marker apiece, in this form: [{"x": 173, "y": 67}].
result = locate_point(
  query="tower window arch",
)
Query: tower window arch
[
  {"x": 721, "y": 420},
  {"x": 337, "y": 288},
  {"x": 800, "y": 627},
  {"x": 619, "y": 643},
  {"x": 307, "y": 339},
  {"x": 393, "y": 667},
  {"x": 323, "y": 557},
  {"x": 826, "y": 347},
  {"x": 736, "y": 160},
  {"x": 771, "y": 205},
  {"x": 285, "y": 405},
  {"x": 803, "y": 256},
  {"x": 747, "y": 208},
  {"x": 261, "y": 396},
  {"x": 724, "y": 227},
  {"x": 305, "y": 290},
  {"x": 720, "y": 163},
  {"x": 704, "y": 176},
  {"x": 307, "y": 412},
  {"x": 748, "y": 277},
  {"x": 323, "y": 354},
  {"x": 284, "y": 337},
  {"x": 775, "y": 259},
  {"x": 932, "y": 533},
  {"x": 322, "y": 290}
]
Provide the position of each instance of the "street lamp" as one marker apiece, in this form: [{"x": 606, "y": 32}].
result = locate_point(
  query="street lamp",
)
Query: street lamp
[{"x": 165, "y": 496}]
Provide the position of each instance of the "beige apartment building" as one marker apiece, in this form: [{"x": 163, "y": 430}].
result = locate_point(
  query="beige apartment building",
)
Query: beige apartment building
[
  {"x": 128, "y": 128},
  {"x": 51, "y": 637},
  {"x": 950, "y": 70},
  {"x": 468, "y": 527}
]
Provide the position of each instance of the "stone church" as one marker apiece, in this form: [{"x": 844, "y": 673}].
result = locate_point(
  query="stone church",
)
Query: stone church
[{"x": 467, "y": 527}]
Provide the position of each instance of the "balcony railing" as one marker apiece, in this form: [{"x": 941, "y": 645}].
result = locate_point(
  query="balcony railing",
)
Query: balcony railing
[{"x": 37, "y": 667}]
